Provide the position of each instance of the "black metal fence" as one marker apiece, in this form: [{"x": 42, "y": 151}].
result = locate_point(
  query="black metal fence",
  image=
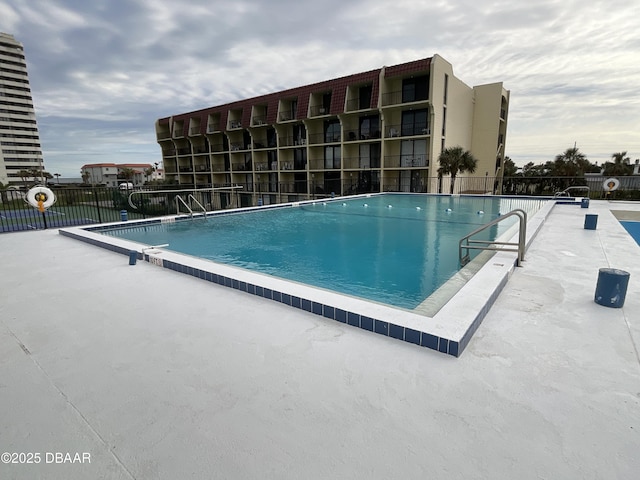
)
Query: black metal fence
[{"x": 89, "y": 205}]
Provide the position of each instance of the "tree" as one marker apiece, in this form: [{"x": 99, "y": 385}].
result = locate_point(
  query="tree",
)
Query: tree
[
  {"x": 148, "y": 172},
  {"x": 25, "y": 175},
  {"x": 3, "y": 192},
  {"x": 510, "y": 169},
  {"x": 571, "y": 163},
  {"x": 126, "y": 173},
  {"x": 454, "y": 160},
  {"x": 85, "y": 176},
  {"x": 621, "y": 165}
]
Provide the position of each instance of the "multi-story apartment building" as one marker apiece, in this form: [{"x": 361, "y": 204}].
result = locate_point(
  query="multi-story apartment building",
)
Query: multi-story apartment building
[
  {"x": 381, "y": 130},
  {"x": 19, "y": 139},
  {"x": 112, "y": 174}
]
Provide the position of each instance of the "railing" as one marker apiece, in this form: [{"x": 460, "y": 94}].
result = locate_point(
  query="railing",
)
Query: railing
[
  {"x": 90, "y": 204},
  {"x": 467, "y": 244},
  {"x": 189, "y": 207},
  {"x": 565, "y": 192}
]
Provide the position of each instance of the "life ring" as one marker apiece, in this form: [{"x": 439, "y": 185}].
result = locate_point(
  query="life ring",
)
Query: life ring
[
  {"x": 611, "y": 184},
  {"x": 40, "y": 198}
]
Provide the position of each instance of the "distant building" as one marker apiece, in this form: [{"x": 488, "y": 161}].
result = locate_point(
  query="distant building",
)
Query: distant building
[
  {"x": 376, "y": 131},
  {"x": 111, "y": 174},
  {"x": 19, "y": 139}
]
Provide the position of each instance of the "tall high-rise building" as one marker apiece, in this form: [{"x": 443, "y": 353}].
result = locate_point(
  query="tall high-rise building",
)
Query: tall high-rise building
[
  {"x": 375, "y": 131},
  {"x": 19, "y": 139}
]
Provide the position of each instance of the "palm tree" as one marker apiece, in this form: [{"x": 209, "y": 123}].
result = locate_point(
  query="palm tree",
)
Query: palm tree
[
  {"x": 148, "y": 172},
  {"x": 621, "y": 165},
  {"x": 454, "y": 160},
  {"x": 571, "y": 163},
  {"x": 57, "y": 175}
]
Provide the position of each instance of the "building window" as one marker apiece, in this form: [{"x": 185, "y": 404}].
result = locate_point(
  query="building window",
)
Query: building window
[
  {"x": 300, "y": 159},
  {"x": 364, "y": 100},
  {"x": 415, "y": 89},
  {"x": 369, "y": 127},
  {"x": 414, "y": 122},
  {"x": 413, "y": 153},
  {"x": 331, "y": 157},
  {"x": 331, "y": 131},
  {"x": 446, "y": 87}
]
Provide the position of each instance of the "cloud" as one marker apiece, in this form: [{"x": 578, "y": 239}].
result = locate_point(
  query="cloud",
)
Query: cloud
[{"x": 103, "y": 71}]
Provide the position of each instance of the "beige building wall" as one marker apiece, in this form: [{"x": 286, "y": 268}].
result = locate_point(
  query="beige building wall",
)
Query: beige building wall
[{"x": 489, "y": 127}]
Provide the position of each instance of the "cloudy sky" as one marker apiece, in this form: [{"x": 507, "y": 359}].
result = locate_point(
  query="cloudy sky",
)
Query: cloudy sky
[{"x": 103, "y": 71}]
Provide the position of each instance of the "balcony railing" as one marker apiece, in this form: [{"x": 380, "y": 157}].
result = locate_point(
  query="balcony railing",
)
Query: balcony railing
[
  {"x": 194, "y": 131},
  {"x": 392, "y": 98},
  {"x": 213, "y": 128},
  {"x": 406, "y": 161},
  {"x": 317, "y": 138},
  {"x": 406, "y": 130},
  {"x": 259, "y": 121},
  {"x": 235, "y": 147},
  {"x": 184, "y": 151},
  {"x": 287, "y": 116},
  {"x": 356, "y": 104},
  {"x": 318, "y": 110},
  {"x": 235, "y": 124}
]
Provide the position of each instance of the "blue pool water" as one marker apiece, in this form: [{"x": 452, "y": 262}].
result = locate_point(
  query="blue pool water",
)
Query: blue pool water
[
  {"x": 394, "y": 249},
  {"x": 634, "y": 230}
]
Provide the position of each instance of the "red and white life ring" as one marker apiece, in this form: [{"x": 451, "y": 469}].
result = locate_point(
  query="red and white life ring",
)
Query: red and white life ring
[{"x": 40, "y": 194}]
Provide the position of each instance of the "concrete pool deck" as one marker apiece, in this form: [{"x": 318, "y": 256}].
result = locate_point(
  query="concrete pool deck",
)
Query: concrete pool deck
[{"x": 158, "y": 375}]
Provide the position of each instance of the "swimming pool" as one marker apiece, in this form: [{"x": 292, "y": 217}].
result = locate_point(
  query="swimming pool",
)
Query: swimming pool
[
  {"x": 446, "y": 324},
  {"x": 633, "y": 228},
  {"x": 395, "y": 249}
]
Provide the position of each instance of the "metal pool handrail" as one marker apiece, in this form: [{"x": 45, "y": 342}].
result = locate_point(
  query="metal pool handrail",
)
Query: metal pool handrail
[
  {"x": 565, "y": 192},
  {"x": 494, "y": 245},
  {"x": 149, "y": 192}
]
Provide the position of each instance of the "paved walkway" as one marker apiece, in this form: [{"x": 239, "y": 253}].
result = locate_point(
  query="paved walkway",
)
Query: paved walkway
[{"x": 156, "y": 375}]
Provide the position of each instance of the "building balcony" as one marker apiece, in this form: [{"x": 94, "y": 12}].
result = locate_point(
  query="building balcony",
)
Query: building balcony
[
  {"x": 287, "y": 116},
  {"x": 412, "y": 130},
  {"x": 318, "y": 111},
  {"x": 236, "y": 147},
  {"x": 259, "y": 121},
  {"x": 184, "y": 151},
  {"x": 396, "y": 98},
  {"x": 406, "y": 161},
  {"x": 194, "y": 131},
  {"x": 319, "y": 138}
]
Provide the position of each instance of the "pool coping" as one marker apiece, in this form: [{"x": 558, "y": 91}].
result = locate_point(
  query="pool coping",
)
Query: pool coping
[{"x": 448, "y": 331}]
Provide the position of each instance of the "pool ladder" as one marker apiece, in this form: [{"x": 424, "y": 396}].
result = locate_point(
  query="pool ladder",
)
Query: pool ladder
[
  {"x": 467, "y": 244},
  {"x": 191, "y": 200}
]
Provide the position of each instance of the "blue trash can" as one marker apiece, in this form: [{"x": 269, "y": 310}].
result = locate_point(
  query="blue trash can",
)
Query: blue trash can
[
  {"x": 584, "y": 203},
  {"x": 123, "y": 215},
  {"x": 259, "y": 202},
  {"x": 611, "y": 288},
  {"x": 590, "y": 222},
  {"x": 133, "y": 257}
]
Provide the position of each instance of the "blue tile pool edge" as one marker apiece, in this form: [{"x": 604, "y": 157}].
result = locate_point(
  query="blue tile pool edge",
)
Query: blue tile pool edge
[{"x": 366, "y": 322}]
